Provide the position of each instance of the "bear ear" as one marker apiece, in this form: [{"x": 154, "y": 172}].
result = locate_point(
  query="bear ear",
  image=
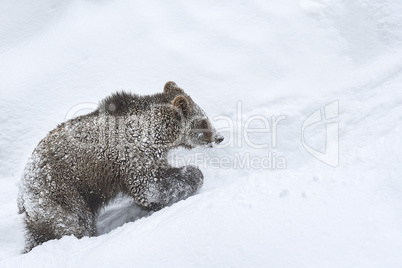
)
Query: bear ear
[
  {"x": 181, "y": 103},
  {"x": 171, "y": 87}
]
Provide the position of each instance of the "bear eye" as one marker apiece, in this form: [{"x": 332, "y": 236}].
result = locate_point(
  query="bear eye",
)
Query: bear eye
[{"x": 203, "y": 124}]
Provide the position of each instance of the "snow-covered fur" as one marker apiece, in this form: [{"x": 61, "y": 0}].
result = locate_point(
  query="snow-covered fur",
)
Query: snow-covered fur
[{"x": 119, "y": 148}]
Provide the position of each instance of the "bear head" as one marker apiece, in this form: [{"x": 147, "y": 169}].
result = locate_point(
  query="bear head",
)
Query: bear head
[{"x": 196, "y": 130}]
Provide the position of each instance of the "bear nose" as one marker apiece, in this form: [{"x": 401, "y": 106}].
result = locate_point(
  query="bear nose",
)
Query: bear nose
[{"x": 219, "y": 139}]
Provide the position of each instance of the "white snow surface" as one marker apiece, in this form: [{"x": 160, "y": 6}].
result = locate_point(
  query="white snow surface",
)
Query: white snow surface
[{"x": 272, "y": 58}]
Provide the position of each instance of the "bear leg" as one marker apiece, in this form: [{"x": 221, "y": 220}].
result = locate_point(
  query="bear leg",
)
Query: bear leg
[
  {"x": 169, "y": 186},
  {"x": 55, "y": 223}
]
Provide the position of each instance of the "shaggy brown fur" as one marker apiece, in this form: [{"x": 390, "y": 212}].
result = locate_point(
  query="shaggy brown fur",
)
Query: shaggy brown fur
[{"x": 119, "y": 148}]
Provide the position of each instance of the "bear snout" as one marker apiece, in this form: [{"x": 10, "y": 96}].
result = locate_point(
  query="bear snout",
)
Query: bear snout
[{"x": 218, "y": 139}]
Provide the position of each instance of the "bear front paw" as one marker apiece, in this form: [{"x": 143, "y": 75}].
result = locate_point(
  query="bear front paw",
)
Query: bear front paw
[{"x": 193, "y": 176}]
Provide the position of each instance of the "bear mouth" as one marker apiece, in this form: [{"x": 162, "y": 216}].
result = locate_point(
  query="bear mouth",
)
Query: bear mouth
[{"x": 199, "y": 145}]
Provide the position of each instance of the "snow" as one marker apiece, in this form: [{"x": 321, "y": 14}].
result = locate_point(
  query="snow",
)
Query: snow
[{"x": 237, "y": 60}]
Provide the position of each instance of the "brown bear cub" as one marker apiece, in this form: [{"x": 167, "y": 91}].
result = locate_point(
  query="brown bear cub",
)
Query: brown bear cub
[{"x": 119, "y": 148}]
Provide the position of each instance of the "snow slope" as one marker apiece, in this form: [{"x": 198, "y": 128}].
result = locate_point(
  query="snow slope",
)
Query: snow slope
[{"x": 249, "y": 58}]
